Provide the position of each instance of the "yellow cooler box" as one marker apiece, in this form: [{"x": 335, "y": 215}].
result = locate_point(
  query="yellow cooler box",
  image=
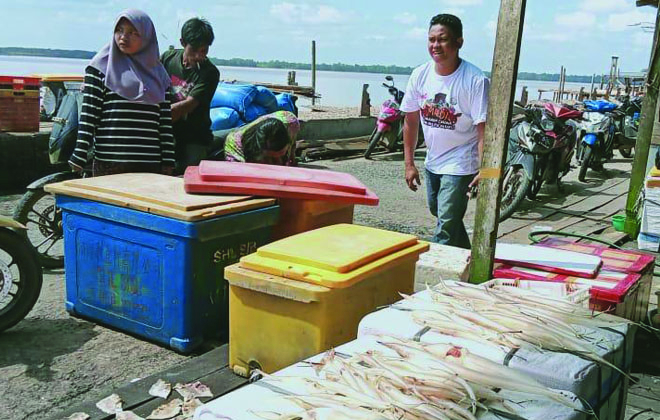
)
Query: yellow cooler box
[{"x": 299, "y": 296}]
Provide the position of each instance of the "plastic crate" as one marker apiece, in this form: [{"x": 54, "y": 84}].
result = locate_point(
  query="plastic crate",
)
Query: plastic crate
[
  {"x": 19, "y": 83},
  {"x": 630, "y": 297},
  {"x": 622, "y": 294},
  {"x": 154, "y": 276}
]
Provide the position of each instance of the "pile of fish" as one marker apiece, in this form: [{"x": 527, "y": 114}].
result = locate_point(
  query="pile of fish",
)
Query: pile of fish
[
  {"x": 408, "y": 380},
  {"x": 512, "y": 317}
]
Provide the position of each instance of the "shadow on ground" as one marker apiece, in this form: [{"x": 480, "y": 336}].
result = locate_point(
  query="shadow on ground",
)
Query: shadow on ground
[{"x": 36, "y": 342}]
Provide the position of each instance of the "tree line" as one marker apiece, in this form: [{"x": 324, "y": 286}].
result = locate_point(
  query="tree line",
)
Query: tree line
[{"x": 279, "y": 64}]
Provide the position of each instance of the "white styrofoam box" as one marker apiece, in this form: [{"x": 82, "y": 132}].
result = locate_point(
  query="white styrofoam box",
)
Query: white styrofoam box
[
  {"x": 266, "y": 395},
  {"x": 648, "y": 242},
  {"x": 556, "y": 370},
  {"x": 441, "y": 262},
  {"x": 651, "y": 211}
]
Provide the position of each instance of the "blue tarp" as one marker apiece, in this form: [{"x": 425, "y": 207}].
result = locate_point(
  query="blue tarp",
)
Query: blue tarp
[{"x": 599, "y": 105}]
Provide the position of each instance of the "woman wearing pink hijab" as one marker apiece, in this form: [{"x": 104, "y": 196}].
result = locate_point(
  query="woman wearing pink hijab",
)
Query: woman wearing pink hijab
[{"x": 126, "y": 114}]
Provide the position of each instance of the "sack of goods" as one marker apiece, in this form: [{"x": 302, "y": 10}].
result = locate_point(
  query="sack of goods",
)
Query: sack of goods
[{"x": 234, "y": 105}]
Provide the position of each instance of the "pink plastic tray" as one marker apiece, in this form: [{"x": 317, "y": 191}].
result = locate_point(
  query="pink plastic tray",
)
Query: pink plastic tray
[
  {"x": 610, "y": 286},
  {"x": 613, "y": 259}
]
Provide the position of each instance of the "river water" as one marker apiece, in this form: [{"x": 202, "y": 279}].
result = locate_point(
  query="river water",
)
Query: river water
[{"x": 336, "y": 88}]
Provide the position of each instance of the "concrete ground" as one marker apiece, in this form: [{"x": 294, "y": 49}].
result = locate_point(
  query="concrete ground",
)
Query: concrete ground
[{"x": 51, "y": 361}]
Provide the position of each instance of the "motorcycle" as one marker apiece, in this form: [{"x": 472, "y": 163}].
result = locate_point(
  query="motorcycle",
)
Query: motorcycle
[
  {"x": 626, "y": 122},
  {"x": 43, "y": 220},
  {"x": 20, "y": 274},
  {"x": 389, "y": 125},
  {"x": 596, "y": 133},
  {"x": 37, "y": 210},
  {"x": 541, "y": 146},
  {"x": 390, "y": 118}
]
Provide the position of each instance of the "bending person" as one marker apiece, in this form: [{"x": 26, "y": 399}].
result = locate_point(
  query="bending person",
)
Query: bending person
[{"x": 270, "y": 139}]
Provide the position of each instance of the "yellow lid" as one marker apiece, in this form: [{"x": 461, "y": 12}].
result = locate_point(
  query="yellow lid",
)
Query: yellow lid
[
  {"x": 334, "y": 256},
  {"x": 655, "y": 172}
]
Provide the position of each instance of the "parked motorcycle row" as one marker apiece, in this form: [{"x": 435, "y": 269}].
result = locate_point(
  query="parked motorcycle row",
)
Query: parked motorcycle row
[{"x": 544, "y": 139}]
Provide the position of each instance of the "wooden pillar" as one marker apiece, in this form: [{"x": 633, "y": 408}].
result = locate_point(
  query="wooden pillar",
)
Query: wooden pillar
[
  {"x": 314, "y": 71},
  {"x": 563, "y": 84},
  {"x": 498, "y": 123},
  {"x": 581, "y": 94},
  {"x": 291, "y": 79},
  {"x": 365, "y": 104},
  {"x": 593, "y": 79},
  {"x": 643, "y": 144},
  {"x": 557, "y": 97},
  {"x": 524, "y": 97}
]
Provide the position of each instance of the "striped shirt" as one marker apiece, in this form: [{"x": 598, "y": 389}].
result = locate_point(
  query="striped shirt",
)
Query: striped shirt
[{"x": 120, "y": 130}]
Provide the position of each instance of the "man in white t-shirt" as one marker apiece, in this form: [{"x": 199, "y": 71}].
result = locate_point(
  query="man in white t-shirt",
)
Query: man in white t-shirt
[{"x": 450, "y": 96}]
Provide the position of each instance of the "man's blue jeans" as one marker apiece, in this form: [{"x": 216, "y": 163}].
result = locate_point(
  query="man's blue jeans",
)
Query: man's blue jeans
[{"x": 447, "y": 198}]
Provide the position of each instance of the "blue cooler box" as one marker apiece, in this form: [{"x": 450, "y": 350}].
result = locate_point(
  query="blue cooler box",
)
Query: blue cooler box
[{"x": 153, "y": 276}]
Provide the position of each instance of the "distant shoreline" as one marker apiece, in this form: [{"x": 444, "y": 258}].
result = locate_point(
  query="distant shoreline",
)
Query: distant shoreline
[{"x": 277, "y": 64}]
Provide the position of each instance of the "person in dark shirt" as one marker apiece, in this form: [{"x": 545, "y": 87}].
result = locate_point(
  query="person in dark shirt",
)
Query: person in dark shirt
[{"x": 194, "y": 80}]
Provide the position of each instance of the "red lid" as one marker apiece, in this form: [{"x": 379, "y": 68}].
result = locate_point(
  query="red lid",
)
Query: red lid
[
  {"x": 195, "y": 184},
  {"x": 217, "y": 171}
]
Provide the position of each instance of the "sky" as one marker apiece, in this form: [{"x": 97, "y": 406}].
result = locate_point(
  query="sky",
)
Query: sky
[{"x": 582, "y": 35}]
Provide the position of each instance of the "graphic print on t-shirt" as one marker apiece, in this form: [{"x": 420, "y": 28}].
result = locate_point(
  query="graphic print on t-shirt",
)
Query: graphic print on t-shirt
[
  {"x": 180, "y": 89},
  {"x": 438, "y": 113}
]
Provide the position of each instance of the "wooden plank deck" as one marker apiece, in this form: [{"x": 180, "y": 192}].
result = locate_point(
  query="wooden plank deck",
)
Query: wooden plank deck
[
  {"x": 211, "y": 369},
  {"x": 584, "y": 211}
]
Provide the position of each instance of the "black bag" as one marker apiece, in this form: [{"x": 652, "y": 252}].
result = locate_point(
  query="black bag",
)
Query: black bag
[{"x": 63, "y": 138}]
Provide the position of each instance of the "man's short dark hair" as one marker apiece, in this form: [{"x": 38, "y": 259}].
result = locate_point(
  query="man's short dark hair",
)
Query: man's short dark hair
[
  {"x": 450, "y": 21},
  {"x": 197, "y": 33}
]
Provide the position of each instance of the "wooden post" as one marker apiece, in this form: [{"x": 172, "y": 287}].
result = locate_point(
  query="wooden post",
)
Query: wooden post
[
  {"x": 498, "y": 123},
  {"x": 314, "y": 71},
  {"x": 643, "y": 144},
  {"x": 581, "y": 94},
  {"x": 602, "y": 81},
  {"x": 557, "y": 96},
  {"x": 593, "y": 79},
  {"x": 563, "y": 84},
  {"x": 365, "y": 104},
  {"x": 291, "y": 79},
  {"x": 524, "y": 97}
]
